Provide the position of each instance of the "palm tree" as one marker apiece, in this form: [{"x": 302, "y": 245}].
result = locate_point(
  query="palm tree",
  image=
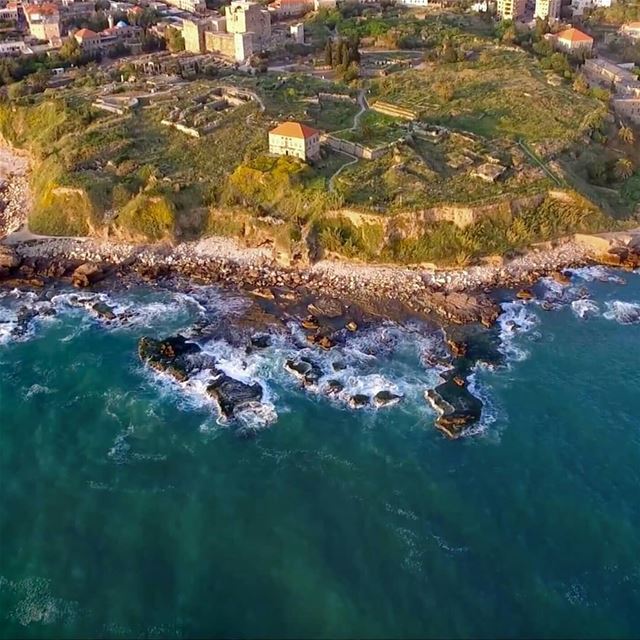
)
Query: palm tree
[
  {"x": 624, "y": 168},
  {"x": 626, "y": 134}
]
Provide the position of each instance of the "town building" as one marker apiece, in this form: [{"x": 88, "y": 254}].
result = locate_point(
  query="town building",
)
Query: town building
[
  {"x": 323, "y": 4},
  {"x": 630, "y": 30},
  {"x": 283, "y": 9},
  {"x": 511, "y": 9},
  {"x": 44, "y": 22},
  {"x": 191, "y": 6},
  {"x": 249, "y": 17},
  {"x": 628, "y": 108},
  {"x": 10, "y": 13},
  {"x": 547, "y": 9},
  {"x": 414, "y": 3},
  {"x": 297, "y": 32},
  {"x": 193, "y": 33},
  {"x": 578, "y": 7},
  {"x": 9, "y": 49},
  {"x": 574, "y": 41},
  {"x": 294, "y": 139},
  {"x": 609, "y": 74},
  {"x": 92, "y": 42}
]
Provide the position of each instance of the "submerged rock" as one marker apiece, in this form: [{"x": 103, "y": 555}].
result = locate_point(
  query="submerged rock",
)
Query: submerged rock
[
  {"x": 232, "y": 395},
  {"x": 386, "y": 398},
  {"x": 456, "y": 406},
  {"x": 305, "y": 370},
  {"x": 170, "y": 355},
  {"x": 525, "y": 294},
  {"x": 359, "y": 401},
  {"x": 334, "y": 387},
  {"x": 104, "y": 311}
]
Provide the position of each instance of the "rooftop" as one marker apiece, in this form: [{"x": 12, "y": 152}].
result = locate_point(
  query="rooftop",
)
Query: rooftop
[
  {"x": 48, "y": 9},
  {"x": 574, "y": 35},
  {"x": 85, "y": 34},
  {"x": 294, "y": 130}
]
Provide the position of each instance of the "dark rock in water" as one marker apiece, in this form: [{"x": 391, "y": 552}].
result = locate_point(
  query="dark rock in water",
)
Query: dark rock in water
[
  {"x": 525, "y": 294},
  {"x": 171, "y": 355},
  {"x": 358, "y": 401},
  {"x": 305, "y": 370},
  {"x": 385, "y": 398},
  {"x": 334, "y": 387},
  {"x": 457, "y": 408},
  {"x": 339, "y": 365},
  {"x": 233, "y": 395},
  {"x": 324, "y": 342},
  {"x": 24, "y": 317},
  {"x": 86, "y": 275},
  {"x": 261, "y": 341},
  {"x": 310, "y": 324},
  {"x": 326, "y": 308},
  {"x": 458, "y": 349},
  {"x": 104, "y": 311}
]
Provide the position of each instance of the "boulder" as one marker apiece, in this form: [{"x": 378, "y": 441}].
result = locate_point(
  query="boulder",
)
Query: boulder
[
  {"x": 326, "y": 308},
  {"x": 170, "y": 356},
  {"x": 385, "y": 398},
  {"x": 232, "y": 395},
  {"x": 458, "y": 349},
  {"x": 324, "y": 342},
  {"x": 305, "y": 370},
  {"x": 86, "y": 275},
  {"x": 456, "y": 406},
  {"x": 104, "y": 311},
  {"x": 525, "y": 294},
  {"x": 334, "y": 387},
  {"x": 359, "y": 401},
  {"x": 9, "y": 259}
]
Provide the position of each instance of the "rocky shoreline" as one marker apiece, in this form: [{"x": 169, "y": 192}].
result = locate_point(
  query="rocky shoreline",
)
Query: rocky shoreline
[{"x": 327, "y": 300}]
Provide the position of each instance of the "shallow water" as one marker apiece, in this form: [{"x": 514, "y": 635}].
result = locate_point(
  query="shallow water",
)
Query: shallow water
[{"x": 127, "y": 508}]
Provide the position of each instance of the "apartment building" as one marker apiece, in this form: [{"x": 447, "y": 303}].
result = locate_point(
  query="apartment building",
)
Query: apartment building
[
  {"x": 44, "y": 21},
  {"x": 511, "y": 9},
  {"x": 548, "y": 9}
]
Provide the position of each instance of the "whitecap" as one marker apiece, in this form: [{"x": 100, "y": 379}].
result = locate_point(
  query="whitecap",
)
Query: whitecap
[
  {"x": 516, "y": 318},
  {"x": 585, "y": 308},
  {"x": 623, "y": 312}
]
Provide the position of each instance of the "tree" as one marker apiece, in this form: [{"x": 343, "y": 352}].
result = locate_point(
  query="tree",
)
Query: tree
[
  {"x": 626, "y": 135},
  {"x": 624, "y": 168},
  {"x": 445, "y": 90},
  {"x": 580, "y": 85},
  {"x": 328, "y": 53},
  {"x": 175, "y": 41}
]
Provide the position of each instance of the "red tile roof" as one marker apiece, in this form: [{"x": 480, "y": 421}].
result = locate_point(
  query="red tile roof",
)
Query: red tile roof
[
  {"x": 294, "y": 130},
  {"x": 48, "y": 9},
  {"x": 574, "y": 35},
  {"x": 85, "y": 34}
]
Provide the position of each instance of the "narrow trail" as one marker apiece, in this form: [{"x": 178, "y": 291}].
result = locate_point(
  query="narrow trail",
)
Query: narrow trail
[{"x": 364, "y": 107}]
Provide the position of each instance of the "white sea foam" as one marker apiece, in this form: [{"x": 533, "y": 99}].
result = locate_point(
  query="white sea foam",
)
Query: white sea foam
[
  {"x": 597, "y": 273},
  {"x": 516, "y": 319},
  {"x": 585, "y": 308},
  {"x": 623, "y": 312}
]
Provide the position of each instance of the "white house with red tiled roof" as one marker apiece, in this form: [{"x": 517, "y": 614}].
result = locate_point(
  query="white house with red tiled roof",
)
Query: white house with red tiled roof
[
  {"x": 573, "y": 40},
  {"x": 630, "y": 30},
  {"x": 294, "y": 139}
]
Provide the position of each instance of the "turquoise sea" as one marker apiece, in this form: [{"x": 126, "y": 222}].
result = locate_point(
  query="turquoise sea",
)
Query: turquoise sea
[{"x": 127, "y": 510}]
